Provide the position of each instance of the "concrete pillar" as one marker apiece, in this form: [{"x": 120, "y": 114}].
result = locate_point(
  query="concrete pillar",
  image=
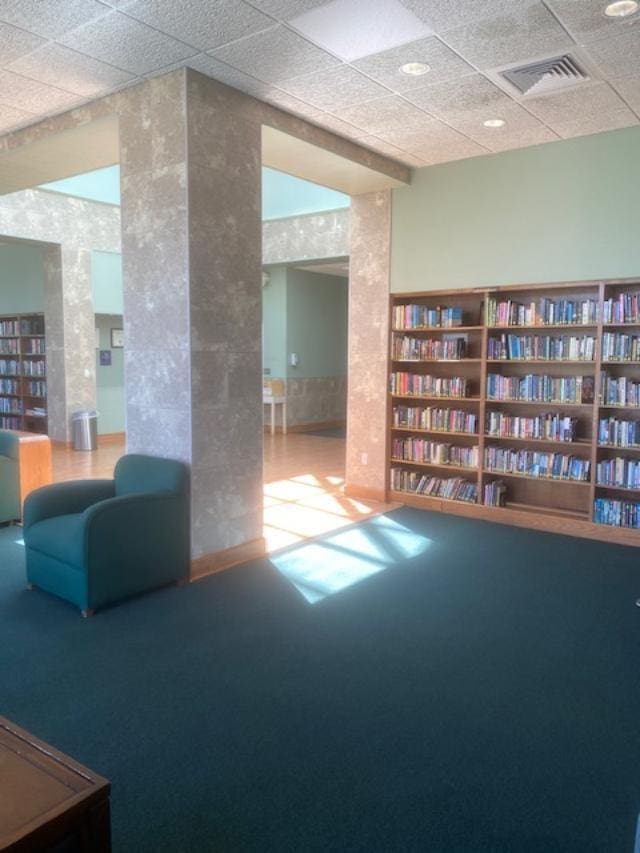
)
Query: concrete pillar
[
  {"x": 369, "y": 269},
  {"x": 191, "y": 242}
]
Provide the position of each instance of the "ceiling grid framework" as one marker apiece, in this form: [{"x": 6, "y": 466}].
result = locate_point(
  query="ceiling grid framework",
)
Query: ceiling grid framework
[{"x": 337, "y": 64}]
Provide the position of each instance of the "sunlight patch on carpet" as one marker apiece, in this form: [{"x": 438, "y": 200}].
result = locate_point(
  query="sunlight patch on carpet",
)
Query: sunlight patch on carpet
[{"x": 327, "y": 566}]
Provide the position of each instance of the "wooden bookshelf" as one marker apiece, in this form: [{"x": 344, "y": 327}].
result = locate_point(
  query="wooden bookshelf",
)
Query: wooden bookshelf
[
  {"x": 23, "y": 373},
  {"x": 516, "y": 338}
]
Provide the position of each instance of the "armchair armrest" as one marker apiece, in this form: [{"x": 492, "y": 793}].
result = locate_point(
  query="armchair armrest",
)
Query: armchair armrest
[{"x": 65, "y": 498}]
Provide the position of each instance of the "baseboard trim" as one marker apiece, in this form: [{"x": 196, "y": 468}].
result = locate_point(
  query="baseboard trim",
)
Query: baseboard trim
[
  {"x": 365, "y": 493},
  {"x": 219, "y": 561},
  {"x": 111, "y": 438},
  {"x": 308, "y": 427}
]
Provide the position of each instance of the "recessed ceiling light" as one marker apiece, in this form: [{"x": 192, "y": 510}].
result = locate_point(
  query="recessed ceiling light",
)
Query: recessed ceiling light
[
  {"x": 415, "y": 69},
  {"x": 494, "y": 122},
  {"x": 622, "y": 9}
]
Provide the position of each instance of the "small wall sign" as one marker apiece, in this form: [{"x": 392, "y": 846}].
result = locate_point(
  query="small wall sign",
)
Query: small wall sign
[
  {"x": 117, "y": 338},
  {"x": 105, "y": 358}
]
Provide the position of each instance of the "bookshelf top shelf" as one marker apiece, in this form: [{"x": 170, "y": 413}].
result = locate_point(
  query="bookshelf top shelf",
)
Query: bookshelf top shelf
[
  {"x": 446, "y": 329},
  {"x": 543, "y": 327}
]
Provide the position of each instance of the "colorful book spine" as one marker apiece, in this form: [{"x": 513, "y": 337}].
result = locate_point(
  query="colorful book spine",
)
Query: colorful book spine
[
  {"x": 535, "y": 388},
  {"x": 435, "y": 419},
  {"x": 550, "y": 426},
  {"x": 416, "y": 316},
  {"x": 434, "y": 452},
  {"x": 425, "y": 349},
  {"x": 417, "y": 384},
  {"x": 454, "y": 488},
  {"x": 542, "y": 312},
  {"x": 620, "y": 347},
  {"x": 541, "y": 348},
  {"x": 623, "y": 308},
  {"x": 495, "y": 493},
  {"x": 621, "y": 472},
  {"x": 619, "y": 391},
  {"x": 615, "y": 432},
  {"x": 616, "y": 513},
  {"x": 538, "y": 464}
]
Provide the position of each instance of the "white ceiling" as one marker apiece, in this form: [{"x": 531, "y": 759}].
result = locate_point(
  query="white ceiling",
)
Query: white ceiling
[{"x": 317, "y": 59}]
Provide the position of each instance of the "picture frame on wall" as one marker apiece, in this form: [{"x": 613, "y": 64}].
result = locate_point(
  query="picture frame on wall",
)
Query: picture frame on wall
[
  {"x": 117, "y": 338},
  {"x": 105, "y": 358}
]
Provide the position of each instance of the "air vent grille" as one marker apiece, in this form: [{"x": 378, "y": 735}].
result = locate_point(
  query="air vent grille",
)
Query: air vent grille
[{"x": 548, "y": 75}]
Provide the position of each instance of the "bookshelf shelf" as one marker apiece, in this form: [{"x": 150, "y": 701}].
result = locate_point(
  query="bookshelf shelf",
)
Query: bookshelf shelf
[
  {"x": 23, "y": 373},
  {"x": 536, "y": 310}
]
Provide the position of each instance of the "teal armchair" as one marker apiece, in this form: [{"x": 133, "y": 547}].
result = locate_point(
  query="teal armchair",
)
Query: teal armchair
[
  {"x": 95, "y": 542},
  {"x": 9, "y": 477}
]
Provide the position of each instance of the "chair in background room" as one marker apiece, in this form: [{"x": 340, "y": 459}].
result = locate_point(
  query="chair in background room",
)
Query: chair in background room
[{"x": 95, "y": 542}]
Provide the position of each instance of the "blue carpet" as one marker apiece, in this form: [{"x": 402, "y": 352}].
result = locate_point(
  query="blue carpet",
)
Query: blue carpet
[{"x": 476, "y": 689}]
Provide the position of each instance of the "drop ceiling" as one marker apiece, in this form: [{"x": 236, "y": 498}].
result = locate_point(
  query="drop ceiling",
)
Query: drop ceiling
[{"x": 337, "y": 64}]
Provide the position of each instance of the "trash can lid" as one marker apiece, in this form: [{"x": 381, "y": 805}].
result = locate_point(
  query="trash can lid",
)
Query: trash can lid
[{"x": 84, "y": 413}]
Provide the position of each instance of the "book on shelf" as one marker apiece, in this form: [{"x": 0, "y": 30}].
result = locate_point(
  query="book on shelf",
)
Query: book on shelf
[
  {"x": 9, "y": 367},
  {"x": 36, "y": 412},
  {"x": 8, "y": 327},
  {"x": 10, "y": 422},
  {"x": 435, "y": 418},
  {"x": 406, "y": 348},
  {"x": 9, "y": 346},
  {"x": 10, "y": 405},
  {"x": 617, "y": 346},
  {"x": 423, "y": 450},
  {"x": 495, "y": 493},
  {"x": 544, "y": 311},
  {"x": 621, "y": 472},
  {"x": 537, "y": 388},
  {"x": 34, "y": 346},
  {"x": 418, "y": 316},
  {"x": 536, "y": 463},
  {"x": 619, "y": 391},
  {"x": 616, "y": 513},
  {"x": 623, "y": 308},
  {"x": 549, "y": 426},
  {"x": 9, "y": 386},
  {"x": 454, "y": 488},
  {"x": 618, "y": 432},
  {"x": 541, "y": 348},
  {"x": 416, "y": 384}
]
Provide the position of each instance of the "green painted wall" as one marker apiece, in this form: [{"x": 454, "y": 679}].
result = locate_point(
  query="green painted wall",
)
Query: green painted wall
[
  {"x": 106, "y": 280},
  {"x": 110, "y": 380},
  {"x": 21, "y": 278},
  {"x": 316, "y": 324},
  {"x": 274, "y": 323},
  {"x": 562, "y": 211}
]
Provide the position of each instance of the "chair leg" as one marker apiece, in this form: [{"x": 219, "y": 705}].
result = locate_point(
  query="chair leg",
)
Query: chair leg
[
  {"x": 87, "y": 613},
  {"x": 30, "y": 585}
]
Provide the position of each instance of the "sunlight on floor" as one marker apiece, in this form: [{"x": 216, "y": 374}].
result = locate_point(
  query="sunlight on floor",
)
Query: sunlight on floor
[{"x": 325, "y": 567}]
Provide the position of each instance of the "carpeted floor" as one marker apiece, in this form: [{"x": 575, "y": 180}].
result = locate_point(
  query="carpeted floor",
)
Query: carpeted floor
[{"x": 477, "y": 690}]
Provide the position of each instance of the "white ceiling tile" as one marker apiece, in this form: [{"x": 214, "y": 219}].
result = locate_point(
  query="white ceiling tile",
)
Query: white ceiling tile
[
  {"x": 337, "y": 125},
  {"x": 517, "y": 120},
  {"x": 196, "y": 23},
  {"x": 431, "y": 140},
  {"x": 618, "y": 56},
  {"x": 382, "y": 147},
  {"x": 285, "y": 9},
  {"x": 460, "y": 97},
  {"x": 596, "y": 99},
  {"x": 275, "y": 55},
  {"x": 586, "y": 125},
  {"x": 443, "y": 15},
  {"x": 384, "y": 114},
  {"x": 514, "y": 36},
  {"x": 10, "y": 117},
  {"x": 335, "y": 88},
  {"x": 50, "y": 18},
  {"x": 585, "y": 19},
  {"x": 30, "y": 95},
  {"x": 518, "y": 139},
  {"x": 127, "y": 44},
  {"x": 629, "y": 89},
  {"x": 385, "y": 67},
  {"x": 71, "y": 71},
  {"x": 14, "y": 43},
  {"x": 355, "y": 28}
]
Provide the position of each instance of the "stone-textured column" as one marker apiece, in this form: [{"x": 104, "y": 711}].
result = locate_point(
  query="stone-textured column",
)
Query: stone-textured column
[
  {"x": 54, "y": 324},
  {"x": 368, "y": 344},
  {"x": 191, "y": 238}
]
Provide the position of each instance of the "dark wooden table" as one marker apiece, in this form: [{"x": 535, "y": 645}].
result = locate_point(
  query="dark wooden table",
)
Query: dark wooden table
[{"x": 49, "y": 802}]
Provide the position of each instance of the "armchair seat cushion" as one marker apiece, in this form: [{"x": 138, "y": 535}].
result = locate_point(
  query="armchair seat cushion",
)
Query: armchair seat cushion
[{"x": 61, "y": 537}]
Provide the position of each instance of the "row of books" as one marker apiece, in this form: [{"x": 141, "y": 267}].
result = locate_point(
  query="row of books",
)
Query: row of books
[
  {"x": 616, "y": 513},
  {"x": 430, "y": 386},
  {"x": 550, "y": 426},
  {"x": 10, "y": 422},
  {"x": 541, "y": 312},
  {"x": 9, "y": 386},
  {"x": 34, "y": 346},
  {"x": 32, "y": 326},
  {"x": 619, "y": 432},
  {"x": 36, "y": 388},
  {"x": 495, "y": 493},
  {"x": 623, "y": 308},
  {"x": 618, "y": 472},
  {"x": 540, "y": 388},
  {"x": 619, "y": 391},
  {"x": 426, "y": 348},
  {"x": 421, "y": 316},
  {"x": 432, "y": 418},
  {"x": 11, "y": 405},
  {"x": 434, "y": 452},
  {"x": 620, "y": 347},
  {"x": 9, "y": 366},
  {"x": 535, "y": 463},
  {"x": 36, "y": 412},
  {"x": 454, "y": 488},
  {"x": 542, "y": 348},
  {"x": 8, "y": 327},
  {"x": 9, "y": 346},
  {"x": 34, "y": 367}
]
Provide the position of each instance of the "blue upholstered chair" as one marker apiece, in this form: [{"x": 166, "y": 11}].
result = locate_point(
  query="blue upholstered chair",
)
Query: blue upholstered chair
[
  {"x": 94, "y": 542},
  {"x": 9, "y": 476}
]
